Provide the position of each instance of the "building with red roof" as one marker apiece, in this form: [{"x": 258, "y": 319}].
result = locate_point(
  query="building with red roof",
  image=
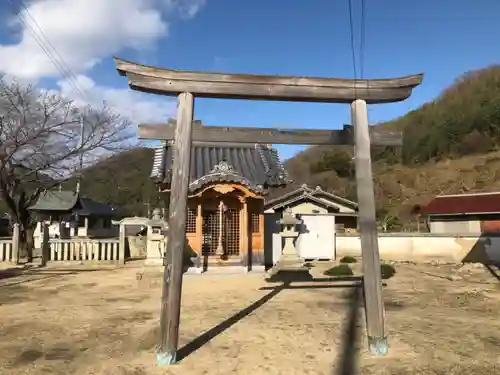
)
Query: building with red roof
[{"x": 464, "y": 213}]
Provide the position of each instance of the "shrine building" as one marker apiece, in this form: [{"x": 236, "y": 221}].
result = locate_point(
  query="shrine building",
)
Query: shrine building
[{"x": 227, "y": 186}]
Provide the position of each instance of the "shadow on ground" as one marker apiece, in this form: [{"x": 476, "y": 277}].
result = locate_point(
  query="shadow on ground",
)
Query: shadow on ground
[
  {"x": 44, "y": 273},
  {"x": 345, "y": 365},
  {"x": 494, "y": 270}
]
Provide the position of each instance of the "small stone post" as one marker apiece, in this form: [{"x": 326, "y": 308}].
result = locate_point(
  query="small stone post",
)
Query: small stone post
[
  {"x": 45, "y": 244},
  {"x": 121, "y": 245},
  {"x": 15, "y": 243}
]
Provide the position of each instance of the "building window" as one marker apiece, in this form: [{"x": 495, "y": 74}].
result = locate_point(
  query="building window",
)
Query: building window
[
  {"x": 106, "y": 223},
  {"x": 255, "y": 222},
  {"x": 93, "y": 222},
  {"x": 81, "y": 221},
  {"x": 191, "y": 220}
]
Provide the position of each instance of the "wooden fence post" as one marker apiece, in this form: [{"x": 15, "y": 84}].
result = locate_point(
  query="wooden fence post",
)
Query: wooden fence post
[
  {"x": 15, "y": 243},
  {"x": 121, "y": 245},
  {"x": 372, "y": 282},
  {"x": 172, "y": 274}
]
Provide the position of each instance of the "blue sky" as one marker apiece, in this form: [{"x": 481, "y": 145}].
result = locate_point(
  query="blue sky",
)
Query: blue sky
[{"x": 442, "y": 39}]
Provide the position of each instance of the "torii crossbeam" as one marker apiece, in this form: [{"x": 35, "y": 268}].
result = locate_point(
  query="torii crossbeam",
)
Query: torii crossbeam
[
  {"x": 187, "y": 85},
  {"x": 261, "y": 87},
  {"x": 226, "y": 134}
]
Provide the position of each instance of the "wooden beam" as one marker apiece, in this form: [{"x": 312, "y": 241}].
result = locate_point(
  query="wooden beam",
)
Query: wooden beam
[
  {"x": 372, "y": 282},
  {"x": 172, "y": 277},
  {"x": 263, "y": 87},
  {"x": 224, "y": 134}
]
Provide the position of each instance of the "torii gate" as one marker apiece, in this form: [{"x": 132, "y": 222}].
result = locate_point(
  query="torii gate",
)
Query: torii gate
[{"x": 187, "y": 85}]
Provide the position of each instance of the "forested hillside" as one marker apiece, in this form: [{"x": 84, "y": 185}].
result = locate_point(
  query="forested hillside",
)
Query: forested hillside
[
  {"x": 449, "y": 147},
  {"x": 123, "y": 180},
  {"x": 464, "y": 119}
]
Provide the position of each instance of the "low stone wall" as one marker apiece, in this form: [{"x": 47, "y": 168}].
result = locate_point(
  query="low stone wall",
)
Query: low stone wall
[{"x": 425, "y": 247}]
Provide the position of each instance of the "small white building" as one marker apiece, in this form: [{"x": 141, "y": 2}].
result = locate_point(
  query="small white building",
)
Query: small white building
[
  {"x": 463, "y": 213},
  {"x": 323, "y": 214}
]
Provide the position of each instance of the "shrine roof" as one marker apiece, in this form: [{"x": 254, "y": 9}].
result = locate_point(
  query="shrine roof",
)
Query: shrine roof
[
  {"x": 56, "y": 201},
  {"x": 256, "y": 166},
  {"x": 69, "y": 201}
]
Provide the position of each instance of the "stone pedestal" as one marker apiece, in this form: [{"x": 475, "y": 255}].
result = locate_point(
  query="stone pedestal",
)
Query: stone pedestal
[
  {"x": 155, "y": 250},
  {"x": 289, "y": 256}
]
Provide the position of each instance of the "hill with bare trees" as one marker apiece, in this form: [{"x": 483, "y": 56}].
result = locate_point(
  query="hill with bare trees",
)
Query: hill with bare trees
[{"x": 450, "y": 146}]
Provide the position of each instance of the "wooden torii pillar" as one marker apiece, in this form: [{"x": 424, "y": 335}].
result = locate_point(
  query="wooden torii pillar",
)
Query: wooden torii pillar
[{"x": 187, "y": 84}]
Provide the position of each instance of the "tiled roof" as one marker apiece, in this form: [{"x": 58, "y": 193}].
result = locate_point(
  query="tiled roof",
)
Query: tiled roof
[
  {"x": 68, "y": 201},
  {"x": 305, "y": 192},
  {"x": 56, "y": 201},
  {"x": 92, "y": 207},
  {"x": 463, "y": 204},
  {"x": 256, "y": 166}
]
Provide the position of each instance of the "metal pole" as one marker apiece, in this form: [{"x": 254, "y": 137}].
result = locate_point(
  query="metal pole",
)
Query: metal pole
[{"x": 80, "y": 167}]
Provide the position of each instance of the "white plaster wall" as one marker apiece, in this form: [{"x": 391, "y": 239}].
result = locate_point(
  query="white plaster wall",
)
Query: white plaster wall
[
  {"x": 427, "y": 247},
  {"x": 473, "y": 226},
  {"x": 308, "y": 208}
]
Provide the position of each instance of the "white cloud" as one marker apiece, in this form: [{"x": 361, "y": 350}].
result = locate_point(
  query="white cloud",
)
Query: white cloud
[
  {"x": 84, "y": 32},
  {"x": 136, "y": 106}
]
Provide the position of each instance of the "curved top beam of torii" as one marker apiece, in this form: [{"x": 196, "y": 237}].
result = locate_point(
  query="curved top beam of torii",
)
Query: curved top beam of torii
[{"x": 263, "y": 87}]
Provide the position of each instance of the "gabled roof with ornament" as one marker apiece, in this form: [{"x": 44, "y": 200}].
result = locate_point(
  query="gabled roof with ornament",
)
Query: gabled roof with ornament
[
  {"x": 316, "y": 195},
  {"x": 258, "y": 167}
]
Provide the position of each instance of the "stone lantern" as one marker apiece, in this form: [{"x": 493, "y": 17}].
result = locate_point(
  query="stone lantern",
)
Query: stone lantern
[
  {"x": 157, "y": 237},
  {"x": 290, "y": 267},
  {"x": 289, "y": 255}
]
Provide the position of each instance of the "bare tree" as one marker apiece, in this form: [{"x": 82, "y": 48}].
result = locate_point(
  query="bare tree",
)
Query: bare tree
[
  {"x": 41, "y": 145},
  {"x": 386, "y": 220}
]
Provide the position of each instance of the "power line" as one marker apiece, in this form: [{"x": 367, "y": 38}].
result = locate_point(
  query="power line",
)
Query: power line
[
  {"x": 60, "y": 65},
  {"x": 63, "y": 64},
  {"x": 353, "y": 44},
  {"x": 362, "y": 38},
  {"x": 54, "y": 56}
]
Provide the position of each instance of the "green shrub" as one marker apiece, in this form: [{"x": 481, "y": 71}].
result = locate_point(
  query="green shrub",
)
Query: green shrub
[
  {"x": 387, "y": 271},
  {"x": 348, "y": 259},
  {"x": 340, "y": 270}
]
